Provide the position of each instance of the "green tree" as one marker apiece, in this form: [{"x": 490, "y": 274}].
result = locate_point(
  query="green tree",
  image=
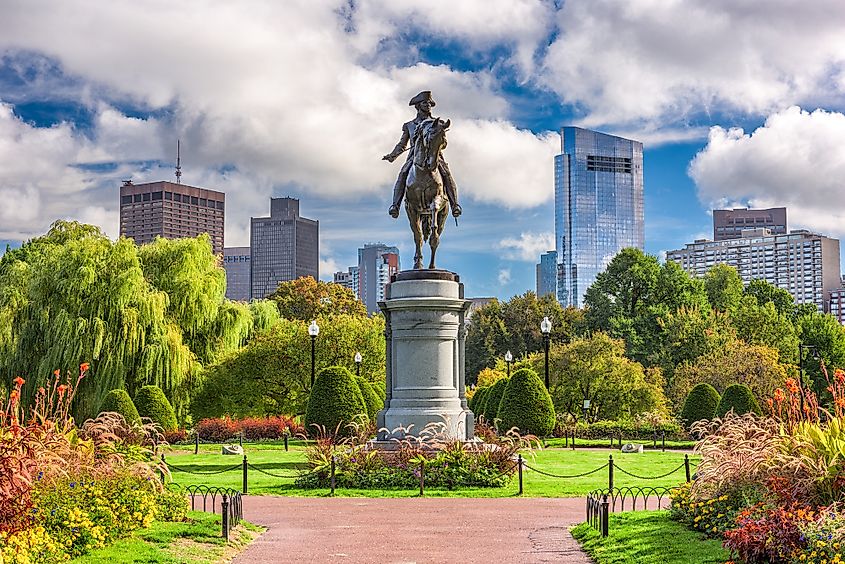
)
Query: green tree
[
  {"x": 736, "y": 362},
  {"x": 306, "y": 298},
  {"x": 597, "y": 369},
  {"x": 764, "y": 325},
  {"x": 823, "y": 332},
  {"x": 272, "y": 374},
  {"x": 764, "y": 292},
  {"x": 624, "y": 290},
  {"x": 723, "y": 287},
  {"x": 335, "y": 403},
  {"x": 526, "y": 405},
  {"x": 689, "y": 333},
  {"x": 701, "y": 403}
]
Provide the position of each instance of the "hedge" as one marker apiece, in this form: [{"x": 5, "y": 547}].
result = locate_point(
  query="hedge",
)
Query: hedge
[
  {"x": 119, "y": 401},
  {"x": 526, "y": 405},
  {"x": 701, "y": 403},
  {"x": 492, "y": 401},
  {"x": 371, "y": 398},
  {"x": 334, "y": 403},
  {"x": 151, "y": 402},
  {"x": 740, "y": 399}
]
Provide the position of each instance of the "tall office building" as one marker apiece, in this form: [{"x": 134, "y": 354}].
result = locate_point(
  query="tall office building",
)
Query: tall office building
[
  {"x": 547, "y": 274},
  {"x": 283, "y": 247},
  {"x": 377, "y": 262},
  {"x": 348, "y": 279},
  {"x": 803, "y": 263},
  {"x": 598, "y": 206},
  {"x": 729, "y": 224},
  {"x": 236, "y": 263},
  {"x": 172, "y": 211}
]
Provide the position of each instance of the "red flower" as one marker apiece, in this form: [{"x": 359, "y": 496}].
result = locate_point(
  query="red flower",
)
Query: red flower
[
  {"x": 56, "y": 373},
  {"x": 19, "y": 381},
  {"x": 62, "y": 389},
  {"x": 778, "y": 395},
  {"x": 840, "y": 376},
  {"x": 84, "y": 367},
  {"x": 13, "y": 396},
  {"x": 792, "y": 385}
]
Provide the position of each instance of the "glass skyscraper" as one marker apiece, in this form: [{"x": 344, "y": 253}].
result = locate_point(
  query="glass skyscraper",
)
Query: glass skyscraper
[{"x": 598, "y": 206}]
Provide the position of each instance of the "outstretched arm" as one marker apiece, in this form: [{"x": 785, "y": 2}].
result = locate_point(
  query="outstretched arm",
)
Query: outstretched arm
[{"x": 400, "y": 146}]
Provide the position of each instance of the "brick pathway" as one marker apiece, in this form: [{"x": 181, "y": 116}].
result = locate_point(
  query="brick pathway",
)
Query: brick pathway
[{"x": 430, "y": 530}]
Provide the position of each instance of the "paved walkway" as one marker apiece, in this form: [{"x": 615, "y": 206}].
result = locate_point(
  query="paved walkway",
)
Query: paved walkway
[{"x": 413, "y": 530}]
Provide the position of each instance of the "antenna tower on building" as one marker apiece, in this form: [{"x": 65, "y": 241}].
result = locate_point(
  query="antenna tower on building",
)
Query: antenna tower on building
[{"x": 178, "y": 162}]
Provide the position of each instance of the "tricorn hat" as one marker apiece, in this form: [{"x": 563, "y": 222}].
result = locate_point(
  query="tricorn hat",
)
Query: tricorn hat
[{"x": 424, "y": 95}]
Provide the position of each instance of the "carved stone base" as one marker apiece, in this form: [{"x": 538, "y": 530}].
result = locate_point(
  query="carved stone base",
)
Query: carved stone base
[{"x": 425, "y": 330}]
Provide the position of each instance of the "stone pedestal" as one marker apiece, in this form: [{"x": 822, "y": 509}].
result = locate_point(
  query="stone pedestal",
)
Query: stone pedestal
[{"x": 425, "y": 328}]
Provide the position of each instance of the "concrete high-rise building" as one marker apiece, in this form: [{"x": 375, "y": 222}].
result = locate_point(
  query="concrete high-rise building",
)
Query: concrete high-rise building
[
  {"x": 837, "y": 304},
  {"x": 729, "y": 224},
  {"x": 236, "y": 263},
  {"x": 598, "y": 206},
  {"x": 348, "y": 279},
  {"x": 803, "y": 263},
  {"x": 172, "y": 211},
  {"x": 377, "y": 262},
  {"x": 283, "y": 247},
  {"x": 547, "y": 274}
]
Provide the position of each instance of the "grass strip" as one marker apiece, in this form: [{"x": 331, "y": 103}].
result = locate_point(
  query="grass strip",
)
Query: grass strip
[
  {"x": 195, "y": 541},
  {"x": 648, "y": 537}
]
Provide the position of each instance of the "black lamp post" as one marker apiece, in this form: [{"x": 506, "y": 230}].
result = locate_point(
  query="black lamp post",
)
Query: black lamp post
[
  {"x": 801, "y": 348},
  {"x": 508, "y": 360},
  {"x": 358, "y": 359},
  {"x": 313, "y": 331},
  {"x": 586, "y": 408},
  {"x": 546, "y": 329}
]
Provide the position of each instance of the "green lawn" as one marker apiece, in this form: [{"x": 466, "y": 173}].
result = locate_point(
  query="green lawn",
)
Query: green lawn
[
  {"x": 560, "y": 442},
  {"x": 648, "y": 537},
  {"x": 565, "y": 462},
  {"x": 197, "y": 541}
]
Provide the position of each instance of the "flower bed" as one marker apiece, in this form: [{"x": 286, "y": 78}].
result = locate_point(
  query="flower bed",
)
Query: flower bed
[
  {"x": 773, "y": 488},
  {"x": 65, "y": 490},
  {"x": 224, "y": 429}
]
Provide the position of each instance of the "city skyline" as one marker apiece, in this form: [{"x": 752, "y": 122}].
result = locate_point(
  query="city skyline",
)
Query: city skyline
[{"x": 715, "y": 109}]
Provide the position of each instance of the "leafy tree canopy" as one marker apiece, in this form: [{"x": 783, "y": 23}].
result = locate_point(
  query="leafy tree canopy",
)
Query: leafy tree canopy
[
  {"x": 306, "y": 298},
  {"x": 723, "y": 287},
  {"x": 764, "y": 292}
]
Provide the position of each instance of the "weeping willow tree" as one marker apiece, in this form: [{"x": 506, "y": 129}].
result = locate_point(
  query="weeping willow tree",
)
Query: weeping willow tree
[{"x": 149, "y": 315}]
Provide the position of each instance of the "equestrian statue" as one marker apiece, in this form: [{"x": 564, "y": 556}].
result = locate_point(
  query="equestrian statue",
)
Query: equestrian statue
[{"x": 425, "y": 181}]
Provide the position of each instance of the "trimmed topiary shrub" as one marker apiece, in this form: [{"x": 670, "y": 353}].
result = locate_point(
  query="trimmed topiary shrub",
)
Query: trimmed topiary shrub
[
  {"x": 493, "y": 399},
  {"x": 151, "y": 402},
  {"x": 701, "y": 403},
  {"x": 527, "y": 405},
  {"x": 477, "y": 406},
  {"x": 740, "y": 398},
  {"x": 335, "y": 401},
  {"x": 120, "y": 402},
  {"x": 371, "y": 398}
]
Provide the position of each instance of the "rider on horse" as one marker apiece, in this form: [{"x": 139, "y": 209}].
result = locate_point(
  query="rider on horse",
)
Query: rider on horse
[{"x": 423, "y": 103}]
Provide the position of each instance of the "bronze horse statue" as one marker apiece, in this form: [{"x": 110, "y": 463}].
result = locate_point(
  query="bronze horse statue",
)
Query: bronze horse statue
[{"x": 425, "y": 200}]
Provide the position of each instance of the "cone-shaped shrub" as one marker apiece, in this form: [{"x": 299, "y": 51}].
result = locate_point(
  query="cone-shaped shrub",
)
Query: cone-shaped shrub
[
  {"x": 701, "y": 403},
  {"x": 740, "y": 398},
  {"x": 151, "y": 402},
  {"x": 371, "y": 398},
  {"x": 477, "y": 404},
  {"x": 120, "y": 402},
  {"x": 526, "y": 405},
  {"x": 494, "y": 397},
  {"x": 335, "y": 401}
]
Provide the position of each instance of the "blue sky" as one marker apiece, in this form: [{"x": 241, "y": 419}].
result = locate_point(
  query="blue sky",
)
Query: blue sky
[{"x": 737, "y": 103}]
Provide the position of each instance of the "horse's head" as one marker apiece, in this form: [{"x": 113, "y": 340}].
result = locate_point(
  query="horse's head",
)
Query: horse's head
[{"x": 432, "y": 141}]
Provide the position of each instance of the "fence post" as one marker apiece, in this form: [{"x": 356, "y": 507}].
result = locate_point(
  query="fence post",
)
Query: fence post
[
  {"x": 163, "y": 466},
  {"x": 422, "y": 478},
  {"x": 519, "y": 461},
  {"x": 241, "y": 439},
  {"x": 224, "y": 510},
  {"x": 245, "y": 475},
  {"x": 663, "y": 434},
  {"x": 286, "y": 440},
  {"x": 620, "y": 439},
  {"x": 605, "y": 507},
  {"x": 610, "y": 474},
  {"x": 686, "y": 466},
  {"x": 196, "y": 442},
  {"x": 333, "y": 468}
]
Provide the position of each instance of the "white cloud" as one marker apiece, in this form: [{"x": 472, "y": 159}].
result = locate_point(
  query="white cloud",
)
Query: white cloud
[
  {"x": 281, "y": 94},
  {"x": 528, "y": 247},
  {"x": 504, "y": 276},
  {"x": 793, "y": 160},
  {"x": 654, "y": 61}
]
